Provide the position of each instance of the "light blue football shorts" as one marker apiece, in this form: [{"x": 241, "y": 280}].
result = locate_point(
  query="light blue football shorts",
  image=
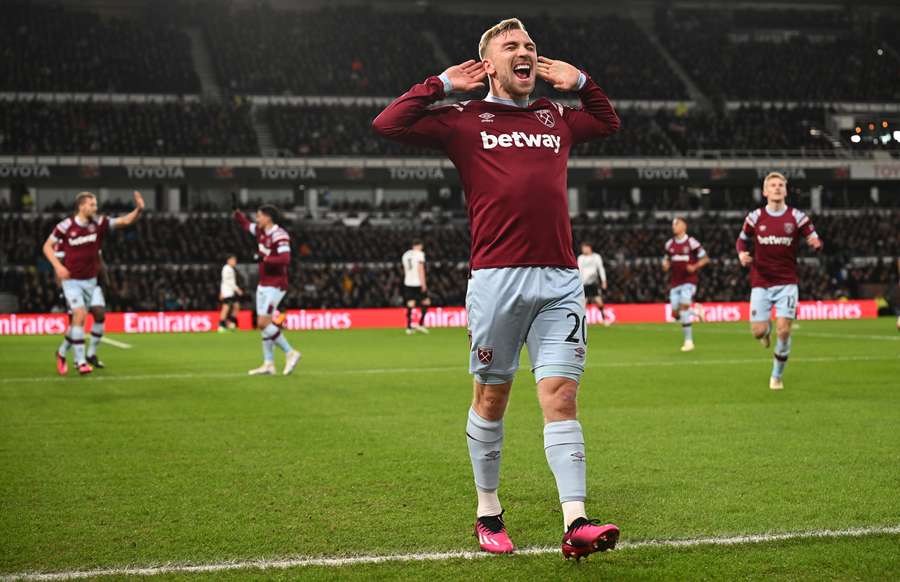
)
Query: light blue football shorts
[
  {"x": 783, "y": 297},
  {"x": 682, "y": 295},
  {"x": 542, "y": 307},
  {"x": 79, "y": 292},
  {"x": 267, "y": 299}
]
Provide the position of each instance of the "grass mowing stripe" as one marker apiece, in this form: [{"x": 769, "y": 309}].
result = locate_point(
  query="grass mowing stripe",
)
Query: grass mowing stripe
[
  {"x": 115, "y": 343},
  {"x": 192, "y": 375},
  {"x": 304, "y": 561}
]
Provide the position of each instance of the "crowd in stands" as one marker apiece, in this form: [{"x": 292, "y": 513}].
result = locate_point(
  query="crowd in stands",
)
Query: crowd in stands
[
  {"x": 341, "y": 285},
  {"x": 183, "y": 127},
  {"x": 346, "y": 130},
  {"x": 195, "y": 239},
  {"x": 204, "y": 128},
  {"x": 769, "y": 58},
  {"x": 47, "y": 47},
  {"x": 167, "y": 262},
  {"x": 333, "y": 51}
]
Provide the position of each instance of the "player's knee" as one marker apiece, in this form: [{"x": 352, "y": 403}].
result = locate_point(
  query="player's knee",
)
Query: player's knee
[
  {"x": 78, "y": 316},
  {"x": 783, "y": 329},
  {"x": 759, "y": 330},
  {"x": 490, "y": 400},
  {"x": 559, "y": 398}
]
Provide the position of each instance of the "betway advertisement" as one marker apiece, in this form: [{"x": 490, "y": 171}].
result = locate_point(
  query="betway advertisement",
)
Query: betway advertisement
[{"x": 336, "y": 319}]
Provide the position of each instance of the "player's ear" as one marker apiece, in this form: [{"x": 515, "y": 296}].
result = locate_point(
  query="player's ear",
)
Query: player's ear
[{"x": 489, "y": 66}]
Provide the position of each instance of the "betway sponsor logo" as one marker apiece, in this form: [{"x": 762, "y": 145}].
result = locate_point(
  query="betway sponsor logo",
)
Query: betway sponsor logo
[
  {"x": 775, "y": 240},
  {"x": 39, "y": 324},
  {"x": 34, "y": 171},
  {"x": 157, "y": 172},
  {"x": 681, "y": 258},
  {"x": 831, "y": 310},
  {"x": 172, "y": 322},
  {"x": 662, "y": 173},
  {"x": 520, "y": 139},
  {"x": 82, "y": 240}
]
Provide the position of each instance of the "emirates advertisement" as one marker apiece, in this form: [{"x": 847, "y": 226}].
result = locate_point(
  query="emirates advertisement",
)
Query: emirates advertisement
[{"x": 313, "y": 319}]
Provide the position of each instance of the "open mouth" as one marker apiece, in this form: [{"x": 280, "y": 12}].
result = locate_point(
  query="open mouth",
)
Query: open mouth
[{"x": 522, "y": 71}]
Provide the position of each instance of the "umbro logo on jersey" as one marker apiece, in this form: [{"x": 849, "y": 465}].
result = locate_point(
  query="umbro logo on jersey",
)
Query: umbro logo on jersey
[
  {"x": 520, "y": 139},
  {"x": 487, "y": 117},
  {"x": 545, "y": 117}
]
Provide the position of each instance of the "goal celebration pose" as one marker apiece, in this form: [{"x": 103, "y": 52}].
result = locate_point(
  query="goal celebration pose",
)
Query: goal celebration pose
[
  {"x": 774, "y": 231},
  {"x": 512, "y": 155},
  {"x": 274, "y": 249},
  {"x": 73, "y": 248}
]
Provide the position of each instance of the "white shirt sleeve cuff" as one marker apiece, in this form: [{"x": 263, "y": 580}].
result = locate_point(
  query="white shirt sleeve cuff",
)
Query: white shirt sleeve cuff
[
  {"x": 448, "y": 86},
  {"x": 582, "y": 79}
]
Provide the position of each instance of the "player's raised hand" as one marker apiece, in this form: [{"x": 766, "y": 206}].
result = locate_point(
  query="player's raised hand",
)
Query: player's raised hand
[
  {"x": 745, "y": 258},
  {"x": 467, "y": 76},
  {"x": 560, "y": 74},
  {"x": 138, "y": 200}
]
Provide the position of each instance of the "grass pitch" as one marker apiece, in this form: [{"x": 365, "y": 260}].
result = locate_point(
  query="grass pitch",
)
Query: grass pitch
[{"x": 173, "y": 455}]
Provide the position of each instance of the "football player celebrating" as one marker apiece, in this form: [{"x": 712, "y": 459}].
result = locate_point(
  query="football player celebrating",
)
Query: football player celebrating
[
  {"x": 774, "y": 231},
  {"x": 78, "y": 240},
  {"x": 524, "y": 287},
  {"x": 274, "y": 249}
]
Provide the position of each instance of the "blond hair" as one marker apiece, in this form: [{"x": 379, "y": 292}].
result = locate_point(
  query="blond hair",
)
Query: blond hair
[
  {"x": 771, "y": 175},
  {"x": 81, "y": 197},
  {"x": 497, "y": 30}
]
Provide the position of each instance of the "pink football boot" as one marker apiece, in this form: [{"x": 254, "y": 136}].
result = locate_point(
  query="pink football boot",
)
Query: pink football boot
[
  {"x": 84, "y": 368},
  {"x": 61, "y": 366},
  {"x": 585, "y": 537},
  {"x": 492, "y": 536}
]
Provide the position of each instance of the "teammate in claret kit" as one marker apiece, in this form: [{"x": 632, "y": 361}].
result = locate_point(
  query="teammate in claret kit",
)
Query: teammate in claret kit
[
  {"x": 274, "y": 249},
  {"x": 684, "y": 258},
  {"x": 773, "y": 232},
  {"x": 73, "y": 248},
  {"x": 512, "y": 155}
]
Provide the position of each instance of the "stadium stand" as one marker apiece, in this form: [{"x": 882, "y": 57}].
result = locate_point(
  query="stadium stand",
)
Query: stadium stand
[
  {"x": 770, "y": 57},
  {"x": 46, "y": 47},
  {"x": 183, "y": 127}
]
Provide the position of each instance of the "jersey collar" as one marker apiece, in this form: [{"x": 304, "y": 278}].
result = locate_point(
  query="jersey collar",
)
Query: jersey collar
[
  {"x": 521, "y": 103},
  {"x": 776, "y": 213},
  {"x": 682, "y": 239}
]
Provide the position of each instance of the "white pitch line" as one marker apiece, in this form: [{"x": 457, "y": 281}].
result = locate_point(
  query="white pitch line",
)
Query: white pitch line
[
  {"x": 425, "y": 370},
  {"x": 115, "y": 343},
  {"x": 332, "y": 562}
]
